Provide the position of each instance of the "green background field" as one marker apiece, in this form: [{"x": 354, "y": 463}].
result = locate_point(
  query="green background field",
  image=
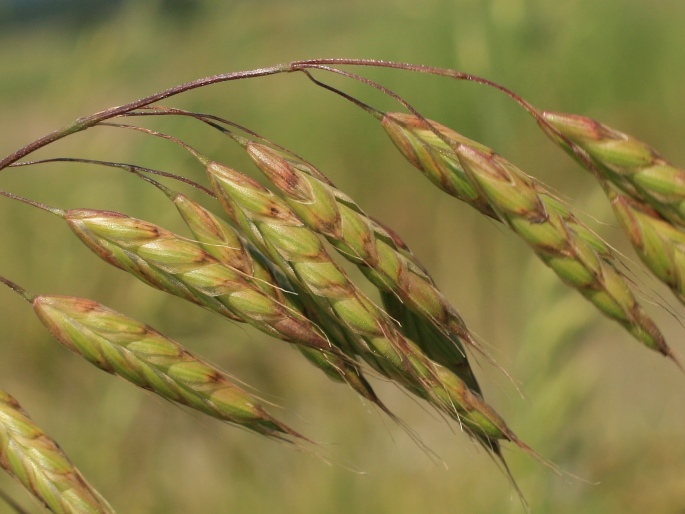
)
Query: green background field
[{"x": 596, "y": 403}]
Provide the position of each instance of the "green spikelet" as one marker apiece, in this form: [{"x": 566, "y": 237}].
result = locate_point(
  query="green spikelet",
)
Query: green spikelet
[
  {"x": 287, "y": 240},
  {"x": 136, "y": 352},
  {"x": 635, "y": 167},
  {"x": 39, "y": 464},
  {"x": 500, "y": 190},
  {"x": 660, "y": 245},
  {"x": 160, "y": 257},
  {"x": 434, "y": 157},
  {"x": 326, "y": 210},
  {"x": 545, "y": 228}
]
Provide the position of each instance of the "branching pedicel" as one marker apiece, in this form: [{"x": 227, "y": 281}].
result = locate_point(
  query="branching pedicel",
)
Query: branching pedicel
[{"x": 265, "y": 264}]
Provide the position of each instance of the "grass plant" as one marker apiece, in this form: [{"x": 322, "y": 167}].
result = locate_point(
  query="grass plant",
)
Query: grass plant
[{"x": 268, "y": 262}]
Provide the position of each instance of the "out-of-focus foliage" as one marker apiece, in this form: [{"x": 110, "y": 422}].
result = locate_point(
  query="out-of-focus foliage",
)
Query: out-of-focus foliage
[{"x": 597, "y": 403}]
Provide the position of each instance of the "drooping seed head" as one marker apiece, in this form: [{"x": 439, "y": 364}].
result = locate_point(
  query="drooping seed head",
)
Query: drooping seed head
[
  {"x": 381, "y": 343},
  {"x": 514, "y": 196},
  {"x": 632, "y": 165},
  {"x": 277, "y": 231},
  {"x": 179, "y": 266},
  {"x": 503, "y": 192},
  {"x": 167, "y": 258},
  {"x": 134, "y": 351},
  {"x": 361, "y": 240},
  {"x": 33, "y": 458}
]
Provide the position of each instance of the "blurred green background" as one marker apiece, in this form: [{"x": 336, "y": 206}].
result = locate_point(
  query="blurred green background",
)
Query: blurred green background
[{"x": 596, "y": 403}]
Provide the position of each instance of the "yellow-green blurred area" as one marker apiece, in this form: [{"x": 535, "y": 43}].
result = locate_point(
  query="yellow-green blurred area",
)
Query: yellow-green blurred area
[{"x": 596, "y": 403}]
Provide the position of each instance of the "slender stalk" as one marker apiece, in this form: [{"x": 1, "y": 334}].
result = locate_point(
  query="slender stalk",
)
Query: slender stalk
[
  {"x": 536, "y": 113},
  {"x": 29, "y": 297},
  {"x": 9, "y": 501},
  {"x": 95, "y": 118},
  {"x": 420, "y": 68},
  {"x": 133, "y": 168}
]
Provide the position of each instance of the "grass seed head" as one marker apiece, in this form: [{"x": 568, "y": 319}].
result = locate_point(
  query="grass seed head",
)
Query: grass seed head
[
  {"x": 125, "y": 347},
  {"x": 502, "y": 191},
  {"x": 39, "y": 464},
  {"x": 633, "y": 166},
  {"x": 514, "y": 196},
  {"x": 171, "y": 258},
  {"x": 325, "y": 210},
  {"x": 660, "y": 245},
  {"x": 383, "y": 345},
  {"x": 176, "y": 265}
]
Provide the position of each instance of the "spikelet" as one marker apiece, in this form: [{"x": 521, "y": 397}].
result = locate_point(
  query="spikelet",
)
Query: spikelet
[
  {"x": 499, "y": 189},
  {"x": 287, "y": 240},
  {"x": 160, "y": 256},
  {"x": 576, "y": 261},
  {"x": 39, "y": 464},
  {"x": 358, "y": 238},
  {"x": 660, "y": 245},
  {"x": 635, "y": 167},
  {"x": 136, "y": 352}
]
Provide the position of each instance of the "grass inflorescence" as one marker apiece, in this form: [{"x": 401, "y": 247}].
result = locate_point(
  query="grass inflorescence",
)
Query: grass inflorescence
[{"x": 270, "y": 260}]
